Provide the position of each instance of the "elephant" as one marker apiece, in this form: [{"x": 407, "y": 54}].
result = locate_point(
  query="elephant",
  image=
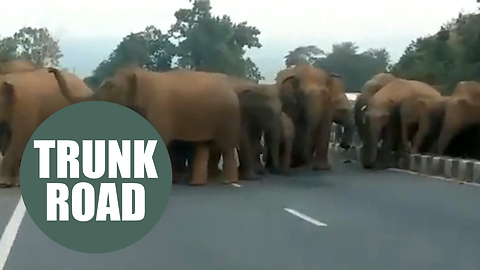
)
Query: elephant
[
  {"x": 461, "y": 120},
  {"x": 181, "y": 104},
  {"x": 286, "y": 143},
  {"x": 26, "y": 100},
  {"x": 342, "y": 113},
  {"x": 382, "y": 120},
  {"x": 369, "y": 89},
  {"x": 421, "y": 120},
  {"x": 261, "y": 113},
  {"x": 16, "y": 66},
  {"x": 261, "y": 109},
  {"x": 306, "y": 97},
  {"x": 7, "y": 67}
]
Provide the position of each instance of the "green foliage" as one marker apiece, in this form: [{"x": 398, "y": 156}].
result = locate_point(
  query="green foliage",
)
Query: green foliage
[
  {"x": 213, "y": 43},
  {"x": 34, "y": 44},
  {"x": 355, "y": 68},
  {"x": 149, "y": 49},
  {"x": 8, "y": 49},
  {"x": 448, "y": 56},
  {"x": 204, "y": 42},
  {"x": 303, "y": 54}
]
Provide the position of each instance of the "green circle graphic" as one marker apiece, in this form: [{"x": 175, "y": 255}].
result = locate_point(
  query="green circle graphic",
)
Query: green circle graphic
[{"x": 121, "y": 130}]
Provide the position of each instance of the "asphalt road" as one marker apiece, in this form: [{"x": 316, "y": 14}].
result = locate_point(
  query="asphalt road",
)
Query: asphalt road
[{"x": 352, "y": 219}]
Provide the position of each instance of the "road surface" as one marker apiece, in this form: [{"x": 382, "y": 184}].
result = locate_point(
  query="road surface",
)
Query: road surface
[{"x": 345, "y": 219}]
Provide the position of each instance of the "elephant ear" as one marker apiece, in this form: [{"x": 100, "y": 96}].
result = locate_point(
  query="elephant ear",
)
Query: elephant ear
[
  {"x": 7, "y": 94},
  {"x": 131, "y": 95},
  {"x": 331, "y": 78},
  {"x": 107, "y": 84},
  {"x": 253, "y": 96},
  {"x": 132, "y": 87},
  {"x": 289, "y": 86}
]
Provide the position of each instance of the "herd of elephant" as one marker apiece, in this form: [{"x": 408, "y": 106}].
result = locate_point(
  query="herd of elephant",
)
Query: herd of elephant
[
  {"x": 205, "y": 116},
  {"x": 395, "y": 117}
]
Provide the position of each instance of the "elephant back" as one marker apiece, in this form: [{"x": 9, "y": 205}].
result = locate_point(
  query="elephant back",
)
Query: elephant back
[
  {"x": 423, "y": 89},
  {"x": 339, "y": 96},
  {"x": 377, "y": 82},
  {"x": 16, "y": 66},
  {"x": 467, "y": 89},
  {"x": 399, "y": 90},
  {"x": 304, "y": 73}
]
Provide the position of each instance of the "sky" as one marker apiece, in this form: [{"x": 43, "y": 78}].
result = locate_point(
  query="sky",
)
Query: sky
[{"x": 90, "y": 29}]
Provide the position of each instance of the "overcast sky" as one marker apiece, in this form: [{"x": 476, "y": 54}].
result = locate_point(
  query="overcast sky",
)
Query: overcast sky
[{"x": 98, "y": 25}]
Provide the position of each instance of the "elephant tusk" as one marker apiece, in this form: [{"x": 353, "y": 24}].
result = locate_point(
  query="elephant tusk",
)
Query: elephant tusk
[{"x": 363, "y": 108}]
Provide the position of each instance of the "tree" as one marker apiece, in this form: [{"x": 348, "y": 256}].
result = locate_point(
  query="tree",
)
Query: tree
[
  {"x": 149, "y": 49},
  {"x": 448, "y": 56},
  {"x": 8, "y": 49},
  {"x": 37, "y": 45},
  {"x": 355, "y": 68},
  {"x": 303, "y": 54},
  {"x": 213, "y": 43}
]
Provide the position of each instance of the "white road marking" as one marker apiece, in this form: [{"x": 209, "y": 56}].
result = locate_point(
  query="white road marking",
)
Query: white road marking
[
  {"x": 436, "y": 177},
  {"x": 10, "y": 233},
  {"x": 305, "y": 217},
  {"x": 236, "y": 185},
  {"x": 430, "y": 176}
]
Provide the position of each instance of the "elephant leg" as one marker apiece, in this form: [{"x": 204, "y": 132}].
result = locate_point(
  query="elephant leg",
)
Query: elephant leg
[
  {"x": 304, "y": 143},
  {"x": 296, "y": 157},
  {"x": 259, "y": 168},
  {"x": 345, "y": 128},
  {"x": 321, "y": 142},
  {"x": 404, "y": 148},
  {"x": 200, "y": 164},
  {"x": 301, "y": 148},
  {"x": 385, "y": 155},
  {"x": 245, "y": 155},
  {"x": 273, "y": 142},
  {"x": 175, "y": 165},
  {"x": 230, "y": 170},
  {"x": 213, "y": 161},
  {"x": 177, "y": 151},
  {"x": 419, "y": 138},
  {"x": 11, "y": 165},
  {"x": 285, "y": 157},
  {"x": 5, "y": 137},
  {"x": 449, "y": 130}
]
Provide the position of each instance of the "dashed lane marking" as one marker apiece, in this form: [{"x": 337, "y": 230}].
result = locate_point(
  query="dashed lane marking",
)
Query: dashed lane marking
[{"x": 305, "y": 217}]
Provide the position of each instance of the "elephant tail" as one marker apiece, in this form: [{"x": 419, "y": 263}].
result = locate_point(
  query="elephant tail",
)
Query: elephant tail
[{"x": 62, "y": 84}]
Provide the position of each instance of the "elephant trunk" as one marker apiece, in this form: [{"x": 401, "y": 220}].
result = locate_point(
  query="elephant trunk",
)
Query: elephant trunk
[
  {"x": 345, "y": 128},
  {"x": 65, "y": 90},
  {"x": 358, "y": 115},
  {"x": 348, "y": 132},
  {"x": 369, "y": 148}
]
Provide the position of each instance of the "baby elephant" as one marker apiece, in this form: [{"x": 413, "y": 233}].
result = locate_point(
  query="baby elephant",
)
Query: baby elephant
[{"x": 286, "y": 142}]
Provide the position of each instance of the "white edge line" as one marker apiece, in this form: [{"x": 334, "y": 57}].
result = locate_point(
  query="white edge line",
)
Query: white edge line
[
  {"x": 305, "y": 217},
  {"x": 10, "y": 233},
  {"x": 430, "y": 176},
  {"x": 236, "y": 185},
  {"x": 437, "y": 177}
]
